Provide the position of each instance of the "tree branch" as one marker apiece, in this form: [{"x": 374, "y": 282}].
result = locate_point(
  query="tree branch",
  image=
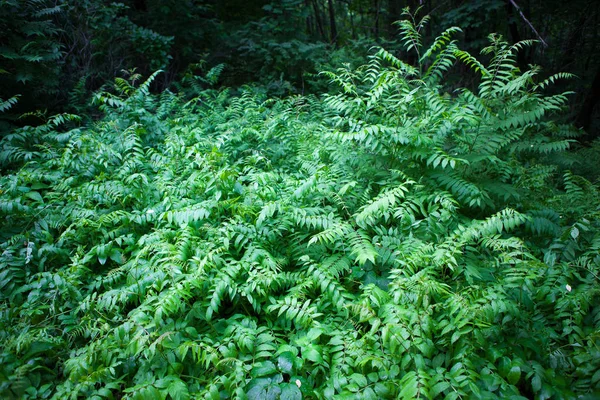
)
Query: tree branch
[{"x": 528, "y": 23}]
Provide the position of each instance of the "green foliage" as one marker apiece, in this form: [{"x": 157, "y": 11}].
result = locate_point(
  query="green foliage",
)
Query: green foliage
[
  {"x": 49, "y": 48},
  {"x": 30, "y": 46},
  {"x": 389, "y": 241}
]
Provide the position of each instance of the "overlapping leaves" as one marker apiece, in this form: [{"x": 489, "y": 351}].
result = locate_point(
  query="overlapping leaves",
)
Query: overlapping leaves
[{"x": 389, "y": 242}]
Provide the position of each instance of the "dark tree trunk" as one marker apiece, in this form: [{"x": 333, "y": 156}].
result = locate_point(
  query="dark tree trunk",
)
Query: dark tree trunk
[
  {"x": 514, "y": 33},
  {"x": 393, "y": 15},
  {"x": 318, "y": 19},
  {"x": 351, "y": 14},
  {"x": 376, "y": 19},
  {"x": 573, "y": 40},
  {"x": 332, "y": 28},
  {"x": 309, "y": 30},
  {"x": 584, "y": 119}
]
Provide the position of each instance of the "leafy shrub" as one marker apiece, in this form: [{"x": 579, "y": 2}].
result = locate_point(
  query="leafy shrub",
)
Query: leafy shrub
[
  {"x": 52, "y": 47},
  {"x": 389, "y": 241}
]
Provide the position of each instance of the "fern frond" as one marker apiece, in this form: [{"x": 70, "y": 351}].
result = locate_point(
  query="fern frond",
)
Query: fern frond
[{"x": 6, "y": 105}]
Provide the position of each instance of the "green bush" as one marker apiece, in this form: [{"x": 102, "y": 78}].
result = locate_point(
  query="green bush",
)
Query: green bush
[
  {"x": 51, "y": 48},
  {"x": 388, "y": 241}
]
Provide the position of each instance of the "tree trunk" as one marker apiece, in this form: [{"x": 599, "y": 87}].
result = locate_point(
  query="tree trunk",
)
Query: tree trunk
[
  {"x": 514, "y": 33},
  {"x": 376, "y": 19},
  {"x": 584, "y": 119},
  {"x": 351, "y": 14},
  {"x": 394, "y": 14},
  {"x": 309, "y": 30},
  {"x": 573, "y": 40},
  {"x": 332, "y": 28},
  {"x": 318, "y": 19}
]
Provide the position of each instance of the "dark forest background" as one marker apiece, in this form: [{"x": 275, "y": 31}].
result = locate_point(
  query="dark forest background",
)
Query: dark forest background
[{"x": 55, "y": 53}]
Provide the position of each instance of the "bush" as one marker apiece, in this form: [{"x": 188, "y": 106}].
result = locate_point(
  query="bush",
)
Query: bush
[{"x": 389, "y": 241}]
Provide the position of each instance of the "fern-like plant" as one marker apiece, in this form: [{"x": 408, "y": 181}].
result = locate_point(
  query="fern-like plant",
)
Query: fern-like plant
[{"x": 392, "y": 241}]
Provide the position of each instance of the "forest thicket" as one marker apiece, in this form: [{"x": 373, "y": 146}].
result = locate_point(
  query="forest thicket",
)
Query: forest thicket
[{"x": 299, "y": 199}]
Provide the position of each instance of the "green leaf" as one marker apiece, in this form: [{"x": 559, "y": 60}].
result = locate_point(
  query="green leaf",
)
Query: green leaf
[
  {"x": 514, "y": 375},
  {"x": 263, "y": 389},
  {"x": 409, "y": 386},
  {"x": 148, "y": 393},
  {"x": 38, "y": 197},
  {"x": 359, "y": 379},
  {"x": 574, "y": 232},
  {"x": 39, "y": 185},
  {"x": 285, "y": 362},
  {"x": 504, "y": 366},
  {"x": 438, "y": 388},
  {"x": 381, "y": 389},
  {"x": 264, "y": 368},
  {"x": 178, "y": 390},
  {"x": 116, "y": 256},
  {"x": 312, "y": 354},
  {"x": 38, "y": 347},
  {"x": 368, "y": 393},
  {"x": 290, "y": 391}
]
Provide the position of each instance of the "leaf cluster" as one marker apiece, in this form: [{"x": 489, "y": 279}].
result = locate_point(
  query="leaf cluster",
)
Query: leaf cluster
[{"x": 388, "y": 241}]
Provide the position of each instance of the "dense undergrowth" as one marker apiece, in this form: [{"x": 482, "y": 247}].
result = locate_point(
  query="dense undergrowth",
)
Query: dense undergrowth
[{"x": 390, "y": 240}]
